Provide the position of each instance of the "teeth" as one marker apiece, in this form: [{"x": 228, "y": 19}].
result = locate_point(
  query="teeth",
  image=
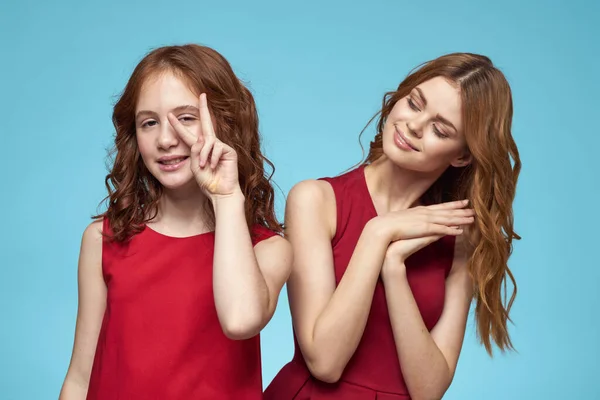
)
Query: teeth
[{"x": 173, "y": 161}]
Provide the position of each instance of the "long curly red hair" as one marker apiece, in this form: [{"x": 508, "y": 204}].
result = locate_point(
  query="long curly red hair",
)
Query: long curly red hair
[
  {"x": 133, "y": 193},
  {"x": 489, "y": 182}
]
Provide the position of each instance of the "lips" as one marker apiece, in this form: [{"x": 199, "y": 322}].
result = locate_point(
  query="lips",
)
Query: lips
[
  {"x": 402, "y": 141},
  {"x": 172, "y": 163},
  {"x": 172, "y": 160}
]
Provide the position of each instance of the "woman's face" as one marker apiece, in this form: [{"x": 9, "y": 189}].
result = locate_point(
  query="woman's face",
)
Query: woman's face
[
  {"x": 424, "y": 130},
  {"x": 164, "y": 153}
]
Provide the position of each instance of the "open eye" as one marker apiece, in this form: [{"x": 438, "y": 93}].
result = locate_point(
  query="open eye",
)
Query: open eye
[
  {"x": 149, "y": 123},
  {"x": 186, "y": 119}
]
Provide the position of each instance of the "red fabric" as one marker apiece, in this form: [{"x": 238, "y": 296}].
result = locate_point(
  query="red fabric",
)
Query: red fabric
[
  {"x": 374, "y": 370},
  {"x": 160, "y": 336}
]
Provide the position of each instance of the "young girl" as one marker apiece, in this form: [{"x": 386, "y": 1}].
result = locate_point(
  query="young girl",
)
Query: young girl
[
  {"x": 185, "y": 267},
  {"x": 389, "y": 256}
]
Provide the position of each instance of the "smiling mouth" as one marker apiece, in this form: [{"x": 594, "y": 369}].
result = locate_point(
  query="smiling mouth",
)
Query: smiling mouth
[
  {"x": 402, "y": 137},
  {"x": 172, "y": 161}
]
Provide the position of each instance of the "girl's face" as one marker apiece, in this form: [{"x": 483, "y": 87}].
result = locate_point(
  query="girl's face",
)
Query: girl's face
[
  {"x": 424, "y": 130},
  {"x": 164, "y": 153}
]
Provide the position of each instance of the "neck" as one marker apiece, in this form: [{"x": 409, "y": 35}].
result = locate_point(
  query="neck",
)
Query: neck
[
  {"x": 394, "y": 188},
  {"x": 182, "y": 212}
]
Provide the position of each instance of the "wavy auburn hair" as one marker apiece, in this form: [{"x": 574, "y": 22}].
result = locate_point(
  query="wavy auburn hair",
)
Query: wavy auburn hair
[
  {"x": 489, "y": 181},
  {"x": 133, "y": 192}
]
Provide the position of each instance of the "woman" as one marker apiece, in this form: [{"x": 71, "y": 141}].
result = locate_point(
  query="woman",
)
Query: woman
[
  {"x": 388, "y": 256},
  {"x": 180, "y": 274}
]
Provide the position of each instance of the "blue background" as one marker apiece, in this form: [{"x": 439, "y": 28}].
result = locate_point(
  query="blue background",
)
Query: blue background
[{"x": 318, "y": 70}]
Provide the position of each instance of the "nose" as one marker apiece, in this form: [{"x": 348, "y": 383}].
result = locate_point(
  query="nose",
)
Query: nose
[
  {"x": 167, "y": 136},
  {"x": 417, "y": 124}
]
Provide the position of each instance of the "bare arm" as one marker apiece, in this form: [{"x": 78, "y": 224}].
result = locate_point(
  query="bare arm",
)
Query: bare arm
[
  {"x": 429, "y": 359},
  {"x": 246, "y": 280},
  {"x": 92, "y": 304},
  {"x": 328, "y": 321}
]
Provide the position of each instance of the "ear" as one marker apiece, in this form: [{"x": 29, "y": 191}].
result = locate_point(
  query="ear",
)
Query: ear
[{"x": 463, "y": 160}]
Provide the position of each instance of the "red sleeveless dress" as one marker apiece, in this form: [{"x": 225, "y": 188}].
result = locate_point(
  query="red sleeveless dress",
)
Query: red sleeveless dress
[
  {"x": 374, "y": 371},
  {"x": 160, "y": 336}
]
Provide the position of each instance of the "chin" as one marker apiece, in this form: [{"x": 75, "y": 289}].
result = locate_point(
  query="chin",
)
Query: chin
[
  {"x": 410, "y": 161},
  {"x": 179, "y": 185},
  {"x": 400, "y": 157},
  {"x": 175, "y": 181},
  {"x": 174, "y": 186}
]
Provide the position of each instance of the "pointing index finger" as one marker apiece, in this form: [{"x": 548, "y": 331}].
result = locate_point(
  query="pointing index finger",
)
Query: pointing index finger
[{"x": 188, "y": 137}]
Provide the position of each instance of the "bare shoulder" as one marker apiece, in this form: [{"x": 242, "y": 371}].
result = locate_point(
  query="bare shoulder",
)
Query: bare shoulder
[
  {"x": 90, "y": 256},
  {"x": 312, "y": 191},
  {"x": 312, "y": 200},
  {"x": 92, "y": 235}
]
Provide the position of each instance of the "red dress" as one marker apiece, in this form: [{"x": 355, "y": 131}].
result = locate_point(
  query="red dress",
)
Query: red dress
[
  {"x": 160, "y": 336},
  {"x": 374, "y": 370}
]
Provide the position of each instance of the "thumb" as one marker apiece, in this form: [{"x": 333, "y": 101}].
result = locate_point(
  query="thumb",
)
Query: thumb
[{"x": 427, "y": 240}]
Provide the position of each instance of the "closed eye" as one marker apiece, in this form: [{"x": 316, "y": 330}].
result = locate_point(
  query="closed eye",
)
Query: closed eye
[
  {"x": 412, "y": 104},
  {"x": 439, "y": 133}
]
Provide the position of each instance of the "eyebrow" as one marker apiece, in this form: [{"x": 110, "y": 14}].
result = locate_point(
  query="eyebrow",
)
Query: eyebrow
[
  {"x": 437, "y": 117},
  {"x": 179, "y": 109},
  {"x": 186, "y": 108}
]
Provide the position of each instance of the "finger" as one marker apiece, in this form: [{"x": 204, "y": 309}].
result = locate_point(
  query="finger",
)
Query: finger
[
  {"x": 216, "y": 154},
  {"x": 209, "y": 143},
  {"x": 195, "y": 154},
  {"x": 437, "y": 230},
  {"x": 427, "y": 240},
  {"x": 228, "y": 150},
  {"x": 205, "y": 119},
  {"x": 188, "y": 137},
  {"x": 451, "y": 220},
  {"x": 462, "y": 212},
  {"x": 434, "y": 238},
  {"x": 449, "y": 205}
]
